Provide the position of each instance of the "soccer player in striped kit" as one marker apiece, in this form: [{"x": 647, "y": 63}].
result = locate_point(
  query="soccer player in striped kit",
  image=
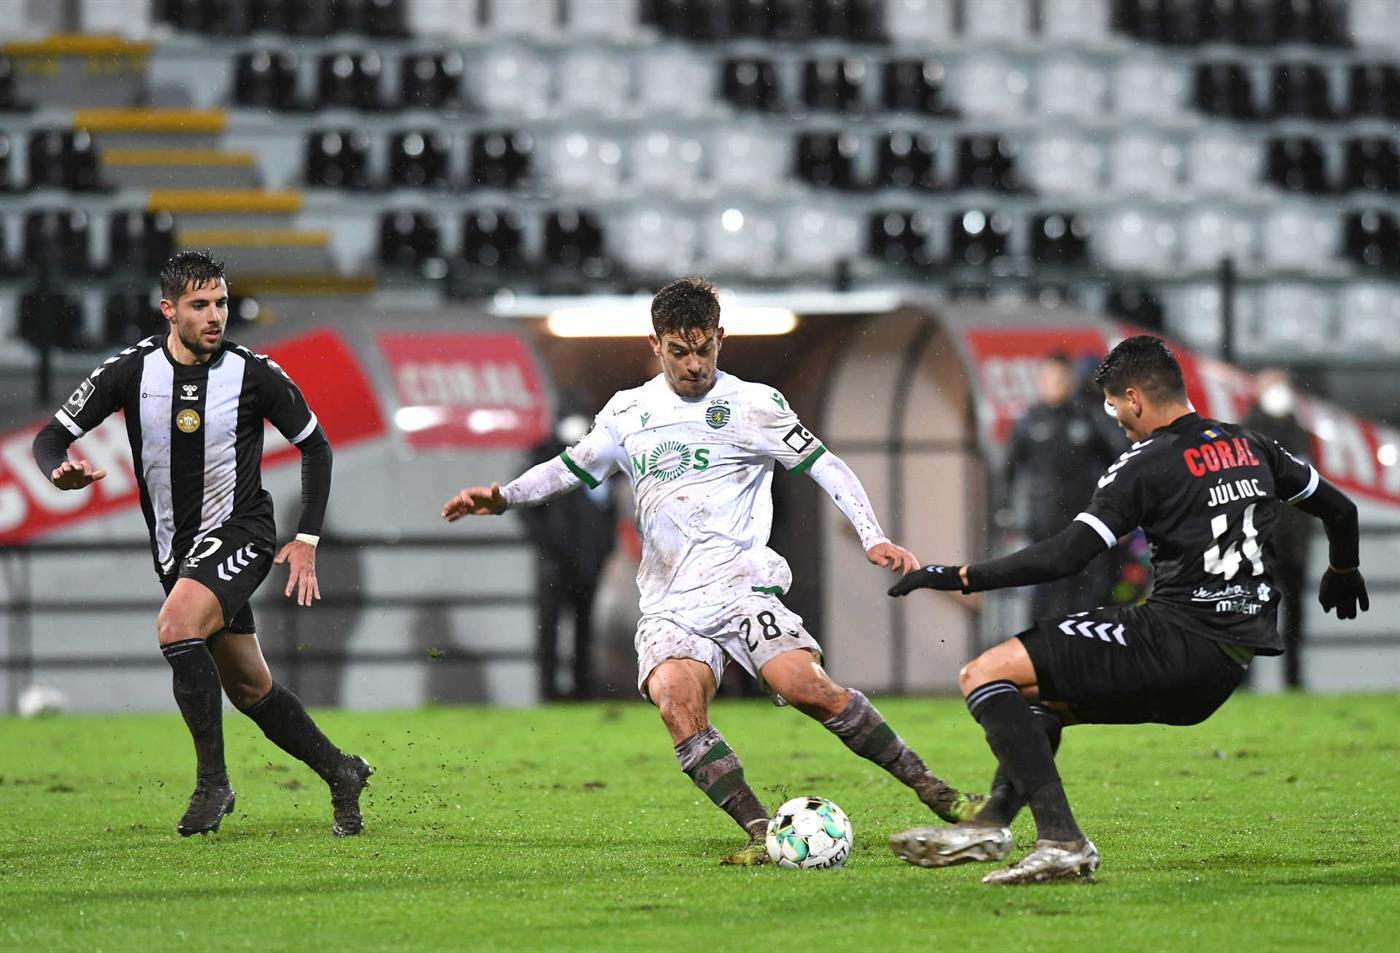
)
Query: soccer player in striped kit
[{"x": 195, "y": 404}]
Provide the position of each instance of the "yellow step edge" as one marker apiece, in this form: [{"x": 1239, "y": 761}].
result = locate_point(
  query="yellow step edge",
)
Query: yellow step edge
[
  {"x": 78, "y": 44},
  {"x": 254, "y": 237},
  {"x": 294, "y": 284},
  {"x": 228, "y": 201},
  {"x": 175, "y": 157},
  {"x": 184, "y": 121}
]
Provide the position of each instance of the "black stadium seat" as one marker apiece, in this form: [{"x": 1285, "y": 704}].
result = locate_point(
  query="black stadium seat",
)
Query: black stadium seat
[
  {"x": 501, "y": 158},
  {"x": 266, "y": 79},
  {"x": 977, "y": 237},
  {"x": 63, "y": 159},
  {"x": 1135, "y": 303},
  {"x": 56, "y": 242},
  {"x": 6, "y": 182},
  {"x": 1297, "y": 164},
  {"x": 1373, "y": 90},
  {"x": 408, "y": 239},
  {"x": 1060, "y": 238},
  {"x": 139, "y": 242},
  {"x": 350, "y": 81},
  {"x": 493, "y": 238},
  {"x": 52, "y": 318},
  {"x": 431, "y": 80},
  {"x": 128, "y": 316},
  {"x": 1301, "y": 91},
  {"x": 916, "y": 86},
  {"x": 574, "y": 240},
  {"x": 986, "y": 162},
  {"x": 907, "y": 160},
  {"x": 900, "y": 237},
  {"x": 833, "y": 85},
  {"x": 828, "y": 159},
  {"x": 1372, "y": 164},
  {"x": 337, "y": 159},
  {"x": 419, "y": 159},
  {"x": 750, "y": 83},
  {"x": 1371, "y": 237},
  {"x": 1223, "y": 89}
]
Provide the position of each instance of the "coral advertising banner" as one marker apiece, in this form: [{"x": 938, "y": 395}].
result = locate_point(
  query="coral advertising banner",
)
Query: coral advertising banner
[
  {"x": 460, "y": 389},
  {"x": 322, "y": 365}
]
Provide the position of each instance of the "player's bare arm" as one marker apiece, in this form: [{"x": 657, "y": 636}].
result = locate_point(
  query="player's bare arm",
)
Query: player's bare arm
[
  {"x": 300, "y": 556},
  {"x": 76, "y": 474},
  {"x": 475, "y": 501},
  {"x": 893, "y": 557}
]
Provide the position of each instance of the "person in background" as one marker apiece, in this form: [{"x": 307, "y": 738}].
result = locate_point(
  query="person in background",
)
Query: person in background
[
  {"x": 1057, "y": 451},
  {"x": 573, "y": 536},
  {"x": 1275, "y": 415}
]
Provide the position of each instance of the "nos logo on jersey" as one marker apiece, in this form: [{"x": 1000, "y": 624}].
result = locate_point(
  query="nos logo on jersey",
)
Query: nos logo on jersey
[
  {"x": 187, "y": 420},
  {"x": 670, "y": 460}
]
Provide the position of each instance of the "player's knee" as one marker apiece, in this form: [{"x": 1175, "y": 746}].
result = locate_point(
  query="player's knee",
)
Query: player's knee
[
  {"x": 973, "y": 675},
  {"x": 172, "y": 627}
]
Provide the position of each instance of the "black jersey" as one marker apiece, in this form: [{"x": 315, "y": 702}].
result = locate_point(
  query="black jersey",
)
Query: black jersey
[
  {"x": 196, "y": 436},
  {"x": 1207, "y": 494}
]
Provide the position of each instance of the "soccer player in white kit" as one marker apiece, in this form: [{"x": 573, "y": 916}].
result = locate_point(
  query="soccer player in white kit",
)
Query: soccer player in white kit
[{"x": 699, "y": 447}]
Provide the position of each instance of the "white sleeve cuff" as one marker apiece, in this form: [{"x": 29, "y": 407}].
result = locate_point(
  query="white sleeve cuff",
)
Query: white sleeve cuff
[
  {"x": 308, "y": 539},
  {"x": 1098, "y": 526}
]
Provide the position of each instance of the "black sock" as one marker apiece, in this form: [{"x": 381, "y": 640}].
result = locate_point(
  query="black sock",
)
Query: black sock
[
  {"x": 1022, "y": 748},
  {"x": 1003, "y": 801},
  {"x": 197, "y": 693},
  {"x": 284, "y": 720}
]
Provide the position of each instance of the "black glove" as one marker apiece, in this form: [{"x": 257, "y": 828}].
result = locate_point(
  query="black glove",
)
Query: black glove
[
  {"x": 1342, "y": 591},
  {"x": 946, "y": 578}
]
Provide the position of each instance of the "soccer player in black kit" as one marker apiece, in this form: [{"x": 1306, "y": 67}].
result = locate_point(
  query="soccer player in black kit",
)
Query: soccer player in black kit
[
  {"x": 195, "y": 404},
  {"x": 1208, "y": 495}
]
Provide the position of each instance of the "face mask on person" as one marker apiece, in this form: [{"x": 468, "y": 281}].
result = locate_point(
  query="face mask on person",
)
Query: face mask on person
[{"x": 1277, "y": 400}]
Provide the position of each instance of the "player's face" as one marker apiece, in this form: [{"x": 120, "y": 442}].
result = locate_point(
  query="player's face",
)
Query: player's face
[
  {"x": 1127, "y": 409},
  {"x": 198, "y": 316},
  {"x": 688, "y": 360}
]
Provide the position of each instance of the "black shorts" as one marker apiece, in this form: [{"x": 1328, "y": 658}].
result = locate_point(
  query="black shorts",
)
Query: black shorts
[
  {"x": 231, "y": 563},
  {"x": 1120, "y": 666}
]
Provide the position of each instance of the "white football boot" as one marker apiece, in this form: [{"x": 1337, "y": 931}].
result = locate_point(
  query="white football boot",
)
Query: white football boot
[
  {"x": 1050, "y": 861},
  {"x": 951, "y": 844}
]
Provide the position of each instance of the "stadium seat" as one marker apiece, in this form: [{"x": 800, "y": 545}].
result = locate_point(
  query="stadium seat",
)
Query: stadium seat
[
  {"x": 56, "y": 242},
  {"x": 1315, "y": 22},
  {"x": 139, "y": 242},
  {"x": 916, "y": 86},
  {"x": 920, "y": 22},
  {"x": 656, "y": 242},
  {"x": 815, "y": 239},
  {"x": 337, "y": 159},
  {"x": 409, "y": 240},
  {"x": 1371, "y": 237},
  {"x": 501, "y": 159},
  {"x": 493, "y": 238},
  {"x": 1371, "y": 164},
  {"x": 1144, "y": 164},
  {"x": 385, "y": 18},
  {"x": 1069, "y": 85},
  {"x": 605, "y": 19},
  {"x": 750, "y": 83},
  {"x": 673, "y": 82},
  {"x": 986, "y": 162},
  {"x": 511, "y": 82},
  {"x": 1223, "y": 88},
  {"x": 63, "y": 159},
  {"x": 901, "y": 237},
  {"x": 1135, "y": 240},
  {"x": 1208, "y": 236},
  {"x": 977, "y": 237},
  {"x": 266, "y": 79},
  {"x": 593, "y": 82},
  {"x": 1298, "y": 238},
  {"x": 431, "y": 80},
  {"x": 419, "y": 159},
  {"x": 1135, "y": 303},
  {"x": 350, "y": 81},
  {"x": 828, "y": 159},
  {"x": 129, "y": 316},
  {"x": 1289, "y": 318},
  {"x": 1368, "y": 314},
  {"x": 739, "y": 241},
  {"x": 1219, "y": 161},
  {"x": 574, "y": 240},
  {"x": 990, "y": 85},
  {"x": 1193, "y": 313},
  {"x": 754, "y": 19},
  {"x": 1297, "y": 164},
  {"x": 522, "y": 19},
  {"x": 856, "y": 21},
  {"x": 833, "y": 85},
  {"x": 1074, "y": 21},
  {"x": 1373, "y": 90},
  {"x": 52, "y": 317},
  {"x": 1060, "y": 163},
  {"x": 444, "y": 20},
  {"x": 7, "y": 84},
  {"x": 1005, "y": 20},
  {"x": 1301, "y": 91},
  {"x": 6, "y": 176},
  {"x": 589, "y": 163},
  {"x": 662, "y": 161},
  {"x": 907, "y": 160},
  {"x": 750, "y": 160},
  {"x": 1060, "y": 239},
  {"x": 1371, "y": 24},
  {"x": 1147, "y": 87}
]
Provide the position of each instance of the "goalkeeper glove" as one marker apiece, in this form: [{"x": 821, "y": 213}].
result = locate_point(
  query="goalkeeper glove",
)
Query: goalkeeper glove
[
  {"x": 1343, "y": 591},
  {"x": 945, "y": 578}
]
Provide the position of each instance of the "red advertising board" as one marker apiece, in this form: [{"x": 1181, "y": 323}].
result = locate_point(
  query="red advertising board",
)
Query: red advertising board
[
  {"x": 335, "y": 385},
  {"x": 465, "y": 389},
  {"x": 1007, "y": 364}
]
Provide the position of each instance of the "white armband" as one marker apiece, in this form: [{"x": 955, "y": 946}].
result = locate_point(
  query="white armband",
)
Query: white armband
[
  {"x": 308, "y": 539},
  {"x": 843, "y": 486}
]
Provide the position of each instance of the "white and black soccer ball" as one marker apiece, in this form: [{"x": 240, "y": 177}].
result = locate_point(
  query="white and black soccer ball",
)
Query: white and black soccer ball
[
  {"x": 37, "y": 700},
  {"x": 809, "y": 832}
]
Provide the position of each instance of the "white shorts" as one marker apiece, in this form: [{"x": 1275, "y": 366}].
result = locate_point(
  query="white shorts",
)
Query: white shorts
[{"x": 755, "y": 630}]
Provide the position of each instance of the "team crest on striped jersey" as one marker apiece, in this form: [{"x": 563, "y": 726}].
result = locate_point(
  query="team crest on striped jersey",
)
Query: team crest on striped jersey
[{"x": 187, "y": 420}]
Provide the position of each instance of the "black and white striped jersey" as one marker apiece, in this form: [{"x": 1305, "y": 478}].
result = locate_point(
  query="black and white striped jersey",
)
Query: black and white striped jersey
[{"x": 196, "y": 436}]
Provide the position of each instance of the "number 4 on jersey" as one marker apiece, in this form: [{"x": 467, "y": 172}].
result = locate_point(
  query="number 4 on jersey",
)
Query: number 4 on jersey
[{"x": 1227, "y": 563}]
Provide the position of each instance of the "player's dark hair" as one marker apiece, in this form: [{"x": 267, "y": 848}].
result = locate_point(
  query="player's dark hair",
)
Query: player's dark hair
[
  {"x": 1145, "y": 363},
  {"x": 187, "y": 270},
  {"x": 684, "y": 306}
]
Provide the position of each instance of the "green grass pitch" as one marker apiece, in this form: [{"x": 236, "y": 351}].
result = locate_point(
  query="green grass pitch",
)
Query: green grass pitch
[{"x": 1273, "y": 826}]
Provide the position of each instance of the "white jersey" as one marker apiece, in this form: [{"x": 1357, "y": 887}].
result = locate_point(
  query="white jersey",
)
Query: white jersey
[{"x": 702, "y": 475}]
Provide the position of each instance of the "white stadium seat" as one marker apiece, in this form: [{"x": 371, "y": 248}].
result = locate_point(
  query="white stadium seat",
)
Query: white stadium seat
[
  {"x": 522, "y": 18},
  {"x": 815, "y": 239},
  {"x": 1290, "y": 318},
  {"x": 437, "y": 20},
  {"x": 610, "y": 19},
  {"x": 666, "y": 162},
  {"x": 1209, "y": 236},
  {"x": 1298, "y": 238},
  {"x": 990, "y": 86},
  {"x": 584, "y": 162},
  {"x": 997, "y": 20},
  {"x": 751, "y": 161},
  {"x": 1065, "y": 164},
  {"x": 512, "y": 82},
  {"x": 1070, "y": 85},
  {"x": 1143, "y": 164},
  {"x": 1136, "y": 240},
  {"x": 657, "y": 241},
  {"x": 1221, "y": 162},
  {"x": 673, "y": 81},
  {"x": 1368, "y": 318},
  {"x": 740, "y": 240},
  {"x": 1147, "y": 87},
  {"x": 1079, "y": 21},
  {"x": 592, "y": 81},
  {"x": 919, "y": 22}
]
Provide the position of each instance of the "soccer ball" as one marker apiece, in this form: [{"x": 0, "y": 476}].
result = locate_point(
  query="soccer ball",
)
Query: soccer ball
[
  {"x": 809, "y": 832},
  {"x": 37, "y": 700}
]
